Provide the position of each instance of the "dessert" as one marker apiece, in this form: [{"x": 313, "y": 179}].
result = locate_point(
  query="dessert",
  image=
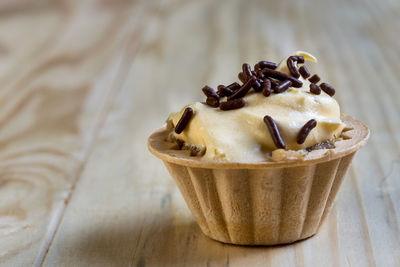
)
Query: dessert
[
  {"x": 260, "y": 163},
  {"x": 240, "y": 135}
]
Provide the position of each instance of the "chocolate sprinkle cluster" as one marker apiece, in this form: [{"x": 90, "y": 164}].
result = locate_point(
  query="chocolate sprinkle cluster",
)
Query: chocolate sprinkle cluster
[
  {"x": 263, "y": 78},
  {"x": 266, "y": 79},
  {"x": 316, "y": 89}
]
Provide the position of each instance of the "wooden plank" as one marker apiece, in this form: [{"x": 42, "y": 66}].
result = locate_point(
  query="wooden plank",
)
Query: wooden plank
[
  {"x": 54, "y": 94},
  {"x": 152, "y": 226},
  {"x": 123, "y": 208}
]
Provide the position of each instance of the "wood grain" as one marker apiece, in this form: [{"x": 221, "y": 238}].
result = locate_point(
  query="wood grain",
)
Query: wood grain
[
  {"x": 55, "y": 93},
  {"x": 83, "y": 84}
]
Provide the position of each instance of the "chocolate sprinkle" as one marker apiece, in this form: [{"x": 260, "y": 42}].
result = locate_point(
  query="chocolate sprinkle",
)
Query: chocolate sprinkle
[
  {"x": 274, "y": 131},
  {"x": 267, "y": 64},
  {"x": 314, "y": 79},
  {"x": 327, "y": 88},
  {"x": 212, "y": 101},
  {"x": 305, "y": 130},
  {"x": 266, "y": 89},
  {"x": 282, "y": 76},
  {"x": 274, "y": 83},
  {"x": 232, "y": 104},
  {"x": 282, "y": 87},
  {"x": 304, "y": 72},
  {"x": 247, "y": 70},
  {"x": 184, "y": 120},
  {"x": 257, "y": 86},
  {"x": 234, "y": 86},
  {"x": 299, "y": 59},
  {"x": 224, "y": 91},
  {"x": 292, "y": 67},
  {"x": 209, "y": 92},
  {"x": 315, "y": 89},
  {"x": 242, "y": 77},
  {"x": 244, "y": 89}
]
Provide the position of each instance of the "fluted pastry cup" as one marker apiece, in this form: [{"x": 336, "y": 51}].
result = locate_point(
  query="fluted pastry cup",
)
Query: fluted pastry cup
[{"x": 261, "y": 203}]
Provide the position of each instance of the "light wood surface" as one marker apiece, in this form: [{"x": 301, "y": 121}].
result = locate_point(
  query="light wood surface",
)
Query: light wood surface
[{"x": 83, "y": 84}]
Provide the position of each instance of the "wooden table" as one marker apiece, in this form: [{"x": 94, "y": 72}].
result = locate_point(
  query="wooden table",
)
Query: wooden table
[{"x": 83, "y": 83}]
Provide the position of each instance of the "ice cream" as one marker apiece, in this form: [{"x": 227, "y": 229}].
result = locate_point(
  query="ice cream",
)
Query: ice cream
[{"x": 241, "y": 134}]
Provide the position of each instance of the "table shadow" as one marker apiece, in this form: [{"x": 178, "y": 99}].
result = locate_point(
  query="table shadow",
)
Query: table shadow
[
  {"x": 135, "y": 243},
  {"x": 157, "y": 243}
]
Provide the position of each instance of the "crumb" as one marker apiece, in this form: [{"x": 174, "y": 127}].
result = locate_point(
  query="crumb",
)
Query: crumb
[
  {"x": 288, "y": 155},
  {"x": 219, "y": 155},
  {"x": 328, "y": 144},
  {"x": 181, "y": 145},
  {"x": 170, "y": 125}
]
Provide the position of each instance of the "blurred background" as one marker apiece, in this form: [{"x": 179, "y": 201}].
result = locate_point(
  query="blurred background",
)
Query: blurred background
[{"x": 83, "y": 84}]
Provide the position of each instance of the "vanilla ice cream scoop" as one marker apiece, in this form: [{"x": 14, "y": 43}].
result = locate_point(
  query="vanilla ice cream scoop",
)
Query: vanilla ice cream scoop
[{"x": 242, "y": 135}]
